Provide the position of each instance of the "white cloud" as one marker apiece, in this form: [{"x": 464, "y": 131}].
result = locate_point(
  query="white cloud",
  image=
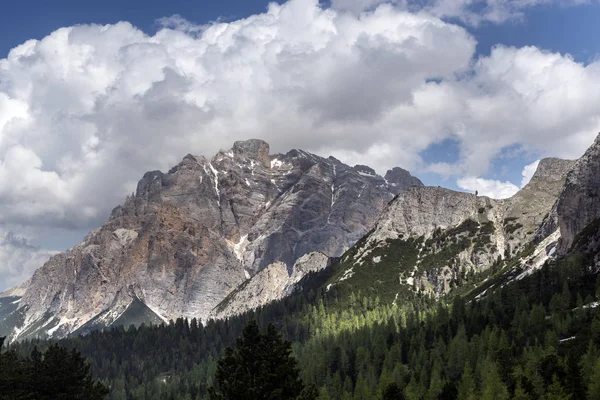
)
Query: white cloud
[
  {"x": 494, "y": 188},
  {"x": 18, "y": 260},
  {"x": 471, "y": 12},
  {"x": 85, "y": 111},
  {"x": 488, "y": 187},
  {"x": 544, "y": 102},
  {"x": 90, "y": 108},
  {"x": 528, "y": 172}
]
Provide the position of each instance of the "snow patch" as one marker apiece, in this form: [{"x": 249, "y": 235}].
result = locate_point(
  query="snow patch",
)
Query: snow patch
[
  {"x": 377, "y": 259},
  {"x": 216, "y": 175},
  {"x": 247, "y": 274},
  {"x": 539, "y": 256},
  {"x": 367, "y": 174},
  {"x": 276, "y": 163},
  {"x": 567, "y": 339},
  {"x": 240, "y": 247},
  {"x": 347, "y": 274},
  {"x": 63, "y": 321},
  {"x": 592, "y": 305}
]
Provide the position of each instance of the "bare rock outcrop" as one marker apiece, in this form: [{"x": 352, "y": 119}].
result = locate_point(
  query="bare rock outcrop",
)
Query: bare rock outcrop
[
  {"x": 270, "y": 284},
  {"x": 579, "y": 202},
  {"x": 189, "y": 237}
]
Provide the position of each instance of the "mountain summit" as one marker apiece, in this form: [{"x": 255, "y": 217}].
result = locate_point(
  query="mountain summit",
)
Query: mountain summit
[{"x": 188, "y": 238}]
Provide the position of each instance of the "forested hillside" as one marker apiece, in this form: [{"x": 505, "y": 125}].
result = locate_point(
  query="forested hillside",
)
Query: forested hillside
[{"x": 534, "y": 338}]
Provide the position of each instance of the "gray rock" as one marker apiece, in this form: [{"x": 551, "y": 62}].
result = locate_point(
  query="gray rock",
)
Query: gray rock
[
  {"x": 188, "y": 238},
  {"x": 501, "y": 227},
  {"x": 579, "y": 202},
  {"x": 270, "y": 284}
]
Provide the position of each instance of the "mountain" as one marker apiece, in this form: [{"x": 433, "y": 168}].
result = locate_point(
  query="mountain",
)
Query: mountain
[
  {"x": 431, "y": 239},
  {"x": 188, "y": 238},
  {"x": 423, "y": 306}
]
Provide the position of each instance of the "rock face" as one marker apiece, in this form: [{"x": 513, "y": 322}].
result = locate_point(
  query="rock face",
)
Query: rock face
[
  {"x": 439, "y": 236},
  {"x": 187, "y": 238},
  {"x": 579, "y": 202},
  {"x": 532, "y": 207},
  {"x": 271, "y": 283}
]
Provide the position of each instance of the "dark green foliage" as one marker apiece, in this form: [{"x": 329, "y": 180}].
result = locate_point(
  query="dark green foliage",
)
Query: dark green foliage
[
  {"x": 487, "y": 228},
  {"x": 393, "y": 392},
  {"x": 259, "y": 368},
  {"x": 58, "y": 374},
  {"x": 372, "y": 278},
  {"x": 532, "y": 338},
  {"x": 447, "y": 253},
  {"x": 513, "y": 227}
]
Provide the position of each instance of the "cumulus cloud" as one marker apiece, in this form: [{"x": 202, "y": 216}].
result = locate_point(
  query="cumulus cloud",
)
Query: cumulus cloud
[
  {"x": 85, "y": 111},
  {"x": 543, "y": 102},
  {"x": 528, "y": 172},
  {"x": 497, "y": 189},
  {"x": 18, "y": 260},
  {"x": 488, "y": 187}
]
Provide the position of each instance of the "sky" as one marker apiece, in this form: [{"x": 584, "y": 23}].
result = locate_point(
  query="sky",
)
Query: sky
[{"x": 466, "y": 94}]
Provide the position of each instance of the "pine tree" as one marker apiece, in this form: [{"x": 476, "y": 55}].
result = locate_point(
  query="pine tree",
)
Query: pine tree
[
  {"x": 466, "y": 388},
  {"x": 392, "y": 392},
  {"x": 261, "y": 367},
  {"x": 493, "y": 387},
  {"x": 520, "y": 393},
  {"x": 594, "y": 385},
  {"x": 556, "y": 392}
]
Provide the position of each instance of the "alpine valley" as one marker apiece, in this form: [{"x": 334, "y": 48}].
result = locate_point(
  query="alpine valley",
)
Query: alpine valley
[{"x": 381, "y": 283}]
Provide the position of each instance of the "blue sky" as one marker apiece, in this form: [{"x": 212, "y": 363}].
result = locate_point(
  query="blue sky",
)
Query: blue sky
[
  {"x": 463, "y": 97},
  {"x": 566, "y": 29}
]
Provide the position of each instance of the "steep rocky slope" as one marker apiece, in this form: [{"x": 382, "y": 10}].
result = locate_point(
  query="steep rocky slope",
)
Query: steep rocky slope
[
  {"x": 189, "y": 237},
  {"x": 579, "y": 204},
  {"x": 431, "y": 239},
  {"x": 271, "y": 283}
]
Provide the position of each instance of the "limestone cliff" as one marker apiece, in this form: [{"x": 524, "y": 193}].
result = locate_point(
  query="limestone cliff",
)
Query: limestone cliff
[
  {"x": 271, "y": 283},
  {"x": 432, "y": 239},
  {"x": 579, "y": 202},
  {"x": 187, "y": 238}
]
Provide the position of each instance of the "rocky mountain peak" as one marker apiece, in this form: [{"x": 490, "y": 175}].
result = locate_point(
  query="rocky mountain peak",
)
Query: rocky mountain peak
[
  {"x": 399, "y": 177},
  {"x": 254, "y": 149},
  {"x": 364, "y": 169},
  {"x": 191, "y": 236},
  {"x": 533, "y": 206},
  {"x": 552, "y": 170}
]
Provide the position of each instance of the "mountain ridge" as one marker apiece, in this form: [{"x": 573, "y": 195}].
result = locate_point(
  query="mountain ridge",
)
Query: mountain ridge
[{"x": 187, "y": 238}]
